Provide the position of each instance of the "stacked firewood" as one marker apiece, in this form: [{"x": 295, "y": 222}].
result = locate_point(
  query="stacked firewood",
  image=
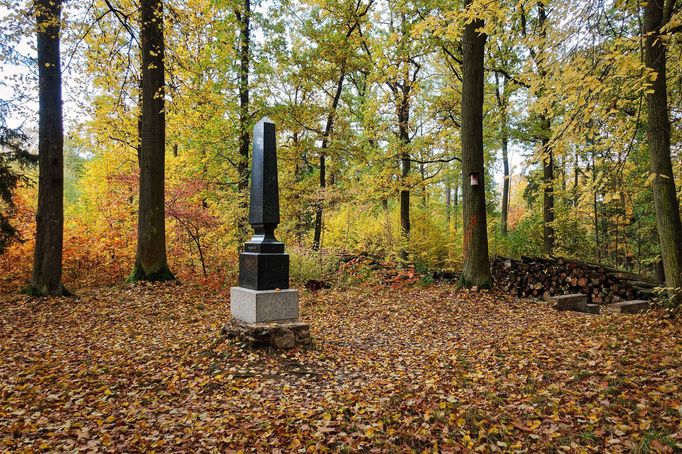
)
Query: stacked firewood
[{"x": 545, "y": 277}]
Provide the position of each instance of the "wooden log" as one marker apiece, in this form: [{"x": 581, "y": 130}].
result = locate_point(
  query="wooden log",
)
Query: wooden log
[{"x": 538, "y": 276}]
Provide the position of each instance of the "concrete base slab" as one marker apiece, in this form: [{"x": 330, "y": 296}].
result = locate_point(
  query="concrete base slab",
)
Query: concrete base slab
[
  {"x": 627, "y": 307},
  {"x": 257, "y": 306},
  {"x": 592, "y": 308},
  {"x": 575, "y": 302}
]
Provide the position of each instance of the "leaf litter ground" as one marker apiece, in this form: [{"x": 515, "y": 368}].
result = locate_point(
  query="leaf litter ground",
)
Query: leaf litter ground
[{"x": 144, "y": 368}]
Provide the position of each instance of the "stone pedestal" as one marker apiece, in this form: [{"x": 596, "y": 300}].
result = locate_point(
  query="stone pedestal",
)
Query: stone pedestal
[
  {"x": 263, "y": 271},
  {"x": 259, "y": 306},
  {"x": 266, "y": 318}
]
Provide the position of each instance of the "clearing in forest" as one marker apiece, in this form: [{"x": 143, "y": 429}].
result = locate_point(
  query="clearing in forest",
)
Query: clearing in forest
[{"x": 145, "y": 368}]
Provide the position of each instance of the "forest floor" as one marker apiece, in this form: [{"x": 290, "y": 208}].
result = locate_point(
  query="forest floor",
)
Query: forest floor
[{"x": 144, "y": 367}]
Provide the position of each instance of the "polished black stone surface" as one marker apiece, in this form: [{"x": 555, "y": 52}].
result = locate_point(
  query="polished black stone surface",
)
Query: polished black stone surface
[
  {"x": 261, "y": 271},
  {"x": 264, "y": 201},
  {"x": 263, "y": 265}
]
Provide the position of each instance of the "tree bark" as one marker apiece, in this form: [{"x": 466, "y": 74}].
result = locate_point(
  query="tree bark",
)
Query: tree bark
[
  {"x": 244, "y": 19},
  {"x": 547, "y": 154},
  {"x": 502, "y": 102},
  {"x": 405, "y": 161},
  {"x": 666, "y": 204},
  {"x": 329, "y": 126},
  {"x": 548, "y": 192},
  {"x": 151, "y": 262},
  {"x": 595, "y": 207},
  {"x": 506, "y": 187},
  {"x": 476, "y": 262},
  {"x": 448, "y": 202},
  {"x": 47, "y": 259},
  {"x": 455, "y": 204},
  {"x": 576, "y": 174},
  {"x": 331, "y": 117}
]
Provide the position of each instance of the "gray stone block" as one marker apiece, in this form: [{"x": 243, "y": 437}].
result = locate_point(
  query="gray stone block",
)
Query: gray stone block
[
  {"x": 573, "y": 302},
  {"x": 592, "y": 308},
  {"x": 256, "y": 306},
  {"x": 628, "y": 307}
]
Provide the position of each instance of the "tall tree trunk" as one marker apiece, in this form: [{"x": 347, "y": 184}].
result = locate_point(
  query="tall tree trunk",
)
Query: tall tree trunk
[
  {"x": 151, "y": 262},
  {"x": 455, "y": 203},
  {"x": 547, "y": 154},
  {"x": 244, "y": 19},
  {"x": 329, "y": 126},
  {"x": 405, "y": 161},
  {"x": 502, "y": 102},
  {"x": 576, "y": 174},
  {"x": 476, "y": 262},
  {"x": 548, "y": 192},
  {"x": 317, "y": 236},
  {"x": 595, "y": 207},
  {"x": 448, "y": 201},
  {"x": 47, "y": 259},
  {"x": 506, "y": 186},
  {"x": 668, "y": 223},
  {"x": 422, "y": 172}
]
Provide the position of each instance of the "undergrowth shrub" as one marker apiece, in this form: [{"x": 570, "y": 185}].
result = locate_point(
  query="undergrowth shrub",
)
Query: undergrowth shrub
[
  {"x": 362, "y": 228},
  {"x": 526, "y": 238},
  {"x": 306, "y": 265},
  {"x": 357, "y": 228}
]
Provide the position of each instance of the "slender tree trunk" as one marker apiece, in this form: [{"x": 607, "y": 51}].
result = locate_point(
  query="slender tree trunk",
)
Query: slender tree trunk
[
  {"x": 448, "y": 202},
  {"x": 387, "y": 222},
  {"x": 244, "y": 19},
  {"x": 476, "y": 262},
  {"x": 151, "y": 262},
  {"x": 455, "y": 203},
  {"x": 47, "y": 259},
  {"x": 405, "y": 227},
  {"x": 502, "y": 102},
  {"x": 595, "y": 207},
  {"x": 576, "y": 174},
  {"x": 329, "y": 126},
  {"x": 666, "y": 204},
  {"x": 547, "y": 153},
  {"x": 201, "y": 253},
  {"x": 506, "y": 187},
  {"x": 422, "y": 172},
  {"x": 548, "y": 193},
  {"x": 317, "y": 236}
]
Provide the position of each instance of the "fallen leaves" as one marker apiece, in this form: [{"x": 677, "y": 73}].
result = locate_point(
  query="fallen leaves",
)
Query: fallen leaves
[{"x": 393, "y": 369}]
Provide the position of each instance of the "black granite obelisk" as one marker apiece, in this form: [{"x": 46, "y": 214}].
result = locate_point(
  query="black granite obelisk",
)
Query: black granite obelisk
[
  {"x": 264, "y": 265},
  {"x": 264, "y": 309}
]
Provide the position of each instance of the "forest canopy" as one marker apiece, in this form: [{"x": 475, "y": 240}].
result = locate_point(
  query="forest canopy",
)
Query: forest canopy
[{"x": 368, "y": 100}]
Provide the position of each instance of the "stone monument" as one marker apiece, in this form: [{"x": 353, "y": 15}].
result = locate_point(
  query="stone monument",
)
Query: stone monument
[{"x": 264, "y": 308}]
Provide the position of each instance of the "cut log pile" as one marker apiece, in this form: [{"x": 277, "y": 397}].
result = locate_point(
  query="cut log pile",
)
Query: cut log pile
[{"x": 545, "y": 277}]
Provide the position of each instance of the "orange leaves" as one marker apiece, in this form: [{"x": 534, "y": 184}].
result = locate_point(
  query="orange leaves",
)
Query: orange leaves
[
  {"x": 527, "y": 427},
  {"x": 393, "y": 369}
]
